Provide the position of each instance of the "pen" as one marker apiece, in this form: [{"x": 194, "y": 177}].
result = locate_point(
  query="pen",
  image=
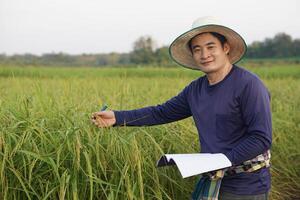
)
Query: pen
[{"x": 104, "y": 107}]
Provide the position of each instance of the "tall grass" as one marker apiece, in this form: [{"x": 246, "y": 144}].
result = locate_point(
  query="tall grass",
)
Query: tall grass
[{"x": 50, "y": 150}]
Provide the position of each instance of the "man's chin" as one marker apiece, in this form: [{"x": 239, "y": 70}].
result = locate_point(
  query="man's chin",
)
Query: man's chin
[{"x": 207, "y": 69}]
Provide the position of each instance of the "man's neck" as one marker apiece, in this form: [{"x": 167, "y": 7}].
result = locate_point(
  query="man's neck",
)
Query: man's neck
[{"x": 215, "y": 77}]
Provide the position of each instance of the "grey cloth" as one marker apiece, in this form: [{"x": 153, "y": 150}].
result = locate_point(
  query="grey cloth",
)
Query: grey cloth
[{"x": 230, "y": 196}]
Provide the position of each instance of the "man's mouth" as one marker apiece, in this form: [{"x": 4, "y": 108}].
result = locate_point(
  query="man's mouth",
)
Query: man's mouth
[{"x": 206, "y": 62}]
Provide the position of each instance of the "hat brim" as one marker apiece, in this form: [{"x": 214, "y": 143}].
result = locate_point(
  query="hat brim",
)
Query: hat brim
[{"x": 180, "y": 52}]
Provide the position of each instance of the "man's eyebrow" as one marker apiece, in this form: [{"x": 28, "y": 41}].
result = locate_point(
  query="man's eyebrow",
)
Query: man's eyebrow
[
  {"x": 207, "y": 44},
  {"x": 210, "y": 43},
  {"x": 194, "y": 47}
]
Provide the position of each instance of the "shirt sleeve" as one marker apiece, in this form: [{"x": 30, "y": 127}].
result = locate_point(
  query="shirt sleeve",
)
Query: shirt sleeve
[
  {"x": 256, "y": 113},
  {"x": 175, "y": 109}
]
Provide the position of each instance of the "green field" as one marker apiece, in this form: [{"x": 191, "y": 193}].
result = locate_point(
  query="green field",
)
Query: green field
[{"x": 50, "y": 150}]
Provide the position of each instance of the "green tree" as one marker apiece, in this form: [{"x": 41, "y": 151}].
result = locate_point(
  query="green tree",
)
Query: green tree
[
  {"x": 162, "y": 56},
  {"x": 143, "y": 51},
  {"x": 296, "y": 48},
  {"x": 282, "y": 44}
]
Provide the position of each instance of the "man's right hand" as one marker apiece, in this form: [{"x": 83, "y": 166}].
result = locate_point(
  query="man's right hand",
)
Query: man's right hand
[{"x": 103, "y": 119}]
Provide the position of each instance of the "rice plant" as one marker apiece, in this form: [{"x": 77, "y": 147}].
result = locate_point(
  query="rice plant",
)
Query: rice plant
[{"x": 50, "y": 150}]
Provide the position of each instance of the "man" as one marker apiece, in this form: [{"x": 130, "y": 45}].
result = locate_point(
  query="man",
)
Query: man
[{"x": 230, "y": 107}]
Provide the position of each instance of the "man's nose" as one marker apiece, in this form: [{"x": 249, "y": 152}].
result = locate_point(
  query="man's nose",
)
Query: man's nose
[{"x": 204, "y": 54}]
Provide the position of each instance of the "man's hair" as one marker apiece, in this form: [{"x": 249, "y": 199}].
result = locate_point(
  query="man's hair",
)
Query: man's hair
[{"x": 219, "y": 36}]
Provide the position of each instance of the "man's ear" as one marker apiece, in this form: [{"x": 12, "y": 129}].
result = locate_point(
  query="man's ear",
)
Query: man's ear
[{"x": 226, "y": 48}]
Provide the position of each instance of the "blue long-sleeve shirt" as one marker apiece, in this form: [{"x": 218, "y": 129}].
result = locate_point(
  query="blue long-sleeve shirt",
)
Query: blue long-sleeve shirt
[{"x": 232, "y": 117}]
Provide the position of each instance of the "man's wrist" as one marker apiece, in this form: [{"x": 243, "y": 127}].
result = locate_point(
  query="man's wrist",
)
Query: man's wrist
[{"x": 118, "y": 117}]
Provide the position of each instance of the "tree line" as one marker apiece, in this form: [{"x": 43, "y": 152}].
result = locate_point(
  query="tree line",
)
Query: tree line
[{"x": 144, "y": 53}]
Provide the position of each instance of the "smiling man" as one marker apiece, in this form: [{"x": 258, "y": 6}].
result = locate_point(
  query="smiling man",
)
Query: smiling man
[
  {"x": 209, "y": 51},
  {"x": 230, "y": 107}
]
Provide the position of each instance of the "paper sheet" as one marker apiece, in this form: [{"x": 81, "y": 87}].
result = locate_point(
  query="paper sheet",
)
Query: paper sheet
[{"x": 193, "y": 164}]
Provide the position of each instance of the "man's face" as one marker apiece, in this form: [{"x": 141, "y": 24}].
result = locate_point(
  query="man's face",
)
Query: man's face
[{"x": 208, "y": 53}]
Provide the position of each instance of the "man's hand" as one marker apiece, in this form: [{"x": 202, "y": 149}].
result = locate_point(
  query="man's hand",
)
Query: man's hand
[{"x": 103, "y": 119}]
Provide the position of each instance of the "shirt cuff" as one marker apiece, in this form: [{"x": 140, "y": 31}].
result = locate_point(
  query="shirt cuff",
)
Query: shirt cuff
[{"x": 119, "y": 118}]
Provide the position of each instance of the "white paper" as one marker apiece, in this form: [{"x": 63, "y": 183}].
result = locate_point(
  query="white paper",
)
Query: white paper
[{"x": 193, "y": 164}]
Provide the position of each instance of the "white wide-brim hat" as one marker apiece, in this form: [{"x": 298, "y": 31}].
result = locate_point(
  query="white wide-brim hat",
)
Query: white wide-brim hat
[{"x": 180, "y": 51}]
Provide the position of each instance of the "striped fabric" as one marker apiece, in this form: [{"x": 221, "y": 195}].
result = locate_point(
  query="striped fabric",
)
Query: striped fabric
[{"x": 209, "y": 184}]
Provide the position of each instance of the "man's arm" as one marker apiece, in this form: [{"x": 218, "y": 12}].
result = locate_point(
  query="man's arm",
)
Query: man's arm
[
  {"x": 256, "y": 112},
  {"x": 175, "y": 109}
]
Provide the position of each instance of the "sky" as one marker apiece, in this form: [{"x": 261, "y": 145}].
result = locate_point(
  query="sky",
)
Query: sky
[{"x": 103, "y": 26}]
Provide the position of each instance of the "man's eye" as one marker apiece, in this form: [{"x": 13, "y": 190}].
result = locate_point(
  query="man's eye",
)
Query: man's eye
[
  {"x": 196, "y": 50},
  {"x": 210, "y": 47}
]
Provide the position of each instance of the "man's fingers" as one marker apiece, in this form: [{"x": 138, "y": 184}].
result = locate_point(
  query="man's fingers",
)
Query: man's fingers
[
  {"x": 99, "y": 122},
  {"x": 102, "y": 122},
  {"x": 96, "y": 114},
  {"x": 93, "y": 117},
  {"x": 101, "y": 119}
]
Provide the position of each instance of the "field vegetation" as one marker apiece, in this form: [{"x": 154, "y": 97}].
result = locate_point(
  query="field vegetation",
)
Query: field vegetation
[{"x": 50, "y": 150}]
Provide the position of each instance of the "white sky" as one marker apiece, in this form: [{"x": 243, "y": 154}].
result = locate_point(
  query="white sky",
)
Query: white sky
[{"x": 98, "y": 26}]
